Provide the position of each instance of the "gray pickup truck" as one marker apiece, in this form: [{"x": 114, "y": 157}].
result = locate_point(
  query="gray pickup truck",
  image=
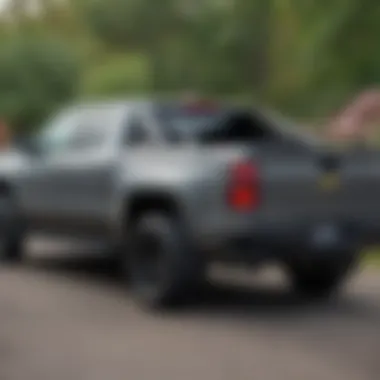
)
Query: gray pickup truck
[{"x": 174, "y": 186}]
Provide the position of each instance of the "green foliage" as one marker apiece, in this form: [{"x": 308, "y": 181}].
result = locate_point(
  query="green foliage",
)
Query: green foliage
[
  {"x": 117, "y": 75},
  {"x": 36, "y": 76},
  {"x": 304, "y": 57}
]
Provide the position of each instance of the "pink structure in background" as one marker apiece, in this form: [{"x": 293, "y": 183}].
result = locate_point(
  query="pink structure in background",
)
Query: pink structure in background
[{"x": 358, "y": 118}]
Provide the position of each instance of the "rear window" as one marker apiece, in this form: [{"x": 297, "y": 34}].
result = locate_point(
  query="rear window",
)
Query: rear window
[{"x": 189, "y": 122}]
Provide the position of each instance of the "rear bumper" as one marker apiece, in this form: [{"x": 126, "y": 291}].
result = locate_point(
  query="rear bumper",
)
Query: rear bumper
[{"x": 283, "y": 242}]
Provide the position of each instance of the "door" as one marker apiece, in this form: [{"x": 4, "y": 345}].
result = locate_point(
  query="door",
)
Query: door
[{"x": 70, "y": 183}]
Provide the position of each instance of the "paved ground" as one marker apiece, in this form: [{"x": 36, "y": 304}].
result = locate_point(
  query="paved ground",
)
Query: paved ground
[{"x": 65, "y": 319}]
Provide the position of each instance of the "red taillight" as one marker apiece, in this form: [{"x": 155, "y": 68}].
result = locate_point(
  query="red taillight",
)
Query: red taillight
[{"x": 243, "y": 188}]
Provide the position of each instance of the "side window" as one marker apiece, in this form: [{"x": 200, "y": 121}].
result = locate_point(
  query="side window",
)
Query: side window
[
  {"x": 58, "y": 131},
  {"x": 91, "y": 131},
  {"x": 78, "y": 129},
  {"x": 136, "y": 133},
  {"x": 87, "y": 136}
]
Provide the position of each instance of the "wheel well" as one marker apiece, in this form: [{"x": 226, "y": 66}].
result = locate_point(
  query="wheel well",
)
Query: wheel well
[{"x": 140, "y": 204}]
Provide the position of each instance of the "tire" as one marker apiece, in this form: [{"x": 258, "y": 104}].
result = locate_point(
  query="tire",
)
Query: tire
[
  {"x": 164, "y": 270},
  {"x": 321, "y": 278},
  {"x": 11, "y": 232}
]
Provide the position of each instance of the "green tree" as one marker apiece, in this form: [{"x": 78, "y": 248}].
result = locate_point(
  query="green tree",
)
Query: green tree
[
  {"x": 36, "y": 76},
  {"x": 304, "y": 56},
  {"x": 136, "y": 25}
]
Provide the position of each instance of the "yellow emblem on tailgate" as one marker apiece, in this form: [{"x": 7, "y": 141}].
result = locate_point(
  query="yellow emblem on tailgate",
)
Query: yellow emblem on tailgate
[{"x": 329, "y": 181}]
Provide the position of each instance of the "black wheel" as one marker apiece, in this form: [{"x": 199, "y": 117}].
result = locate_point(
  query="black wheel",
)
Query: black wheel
[
  {"x": 164, "y": 270},
  {"x": 11, "y": 232},
  {"x": 321, "y": 278}
]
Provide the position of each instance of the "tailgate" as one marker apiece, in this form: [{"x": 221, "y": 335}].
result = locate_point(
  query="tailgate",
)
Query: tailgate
[{"x": 320, "y": 187}]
